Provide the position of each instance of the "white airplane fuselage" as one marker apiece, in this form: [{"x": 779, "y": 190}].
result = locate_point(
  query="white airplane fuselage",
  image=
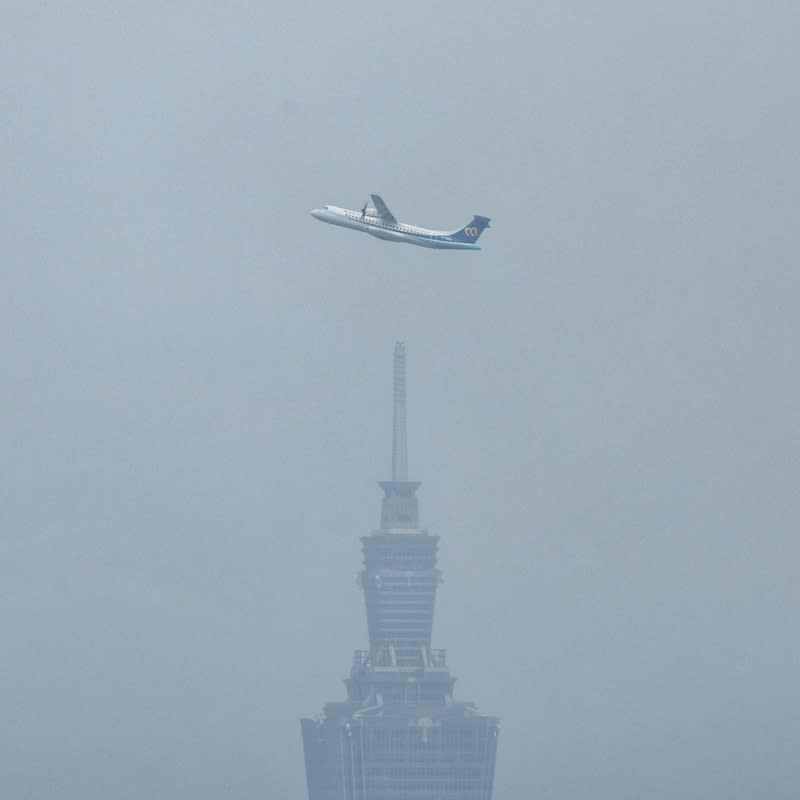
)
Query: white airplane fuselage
[{"x": 393, "y": 231}]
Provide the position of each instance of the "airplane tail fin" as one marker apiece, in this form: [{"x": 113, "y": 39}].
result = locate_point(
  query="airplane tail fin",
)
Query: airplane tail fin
[{"x": 470, "y": 232}]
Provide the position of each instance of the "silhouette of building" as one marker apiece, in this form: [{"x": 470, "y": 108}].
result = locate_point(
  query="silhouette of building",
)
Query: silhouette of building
[{"x": 400, "y": 735}]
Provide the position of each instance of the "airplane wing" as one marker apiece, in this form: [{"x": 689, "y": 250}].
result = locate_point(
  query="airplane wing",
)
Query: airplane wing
[{"x": 383, "y": 212}]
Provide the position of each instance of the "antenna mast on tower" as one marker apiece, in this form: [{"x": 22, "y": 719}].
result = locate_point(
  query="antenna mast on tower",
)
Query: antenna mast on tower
[{"x": 399, "y": 442}]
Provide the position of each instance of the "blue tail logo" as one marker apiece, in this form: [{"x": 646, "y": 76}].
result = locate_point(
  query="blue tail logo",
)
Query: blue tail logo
[{"x": 471, "y": 232}]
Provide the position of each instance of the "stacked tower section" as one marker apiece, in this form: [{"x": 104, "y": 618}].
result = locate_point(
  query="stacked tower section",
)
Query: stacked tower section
[{"x": 400, "y": 734}]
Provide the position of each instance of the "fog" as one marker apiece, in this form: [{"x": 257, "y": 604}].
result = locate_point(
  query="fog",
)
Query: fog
[{"x": 603, "y": 402}]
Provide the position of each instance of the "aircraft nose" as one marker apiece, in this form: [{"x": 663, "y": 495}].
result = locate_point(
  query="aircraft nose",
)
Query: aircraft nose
[{"x": 317, "y": 213}]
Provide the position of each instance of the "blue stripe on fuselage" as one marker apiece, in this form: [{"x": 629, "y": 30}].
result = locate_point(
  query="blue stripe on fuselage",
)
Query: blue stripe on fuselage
[{"x": 442, "y": 242}]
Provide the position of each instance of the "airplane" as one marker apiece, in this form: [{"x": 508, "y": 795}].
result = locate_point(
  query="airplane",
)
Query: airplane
[{"x": 378, "y": 221}]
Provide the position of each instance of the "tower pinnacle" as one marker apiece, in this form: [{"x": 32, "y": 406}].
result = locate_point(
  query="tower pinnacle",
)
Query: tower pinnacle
[
  {"x": 399, "y": 443},
  {"x": 399, "y": 510}
]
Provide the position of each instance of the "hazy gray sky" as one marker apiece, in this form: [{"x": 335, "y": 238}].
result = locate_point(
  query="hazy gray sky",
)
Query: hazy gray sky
[{"x": 196, "y": 404}]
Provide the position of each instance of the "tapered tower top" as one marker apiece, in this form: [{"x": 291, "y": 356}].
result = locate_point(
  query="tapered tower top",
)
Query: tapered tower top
[{"x": 399, "y": 509}]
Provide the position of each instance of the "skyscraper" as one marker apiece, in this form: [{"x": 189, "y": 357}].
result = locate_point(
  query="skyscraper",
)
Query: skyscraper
[{"x": 400, "y": 734}]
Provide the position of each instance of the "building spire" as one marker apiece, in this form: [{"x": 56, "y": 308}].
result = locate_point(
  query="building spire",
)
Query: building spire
[
  {"x": 399, "y": 510},
  {"x": 399, "y": 442}
]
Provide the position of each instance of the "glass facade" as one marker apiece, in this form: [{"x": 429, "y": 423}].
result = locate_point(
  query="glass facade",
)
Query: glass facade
[{"x": 398, "y": 758}]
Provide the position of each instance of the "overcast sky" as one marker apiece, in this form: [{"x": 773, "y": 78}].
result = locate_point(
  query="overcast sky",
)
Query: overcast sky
[{"x": 196, "y": 397}]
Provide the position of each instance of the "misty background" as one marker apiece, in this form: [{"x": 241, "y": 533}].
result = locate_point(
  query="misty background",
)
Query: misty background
[{"x": 196, "y": 395}]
